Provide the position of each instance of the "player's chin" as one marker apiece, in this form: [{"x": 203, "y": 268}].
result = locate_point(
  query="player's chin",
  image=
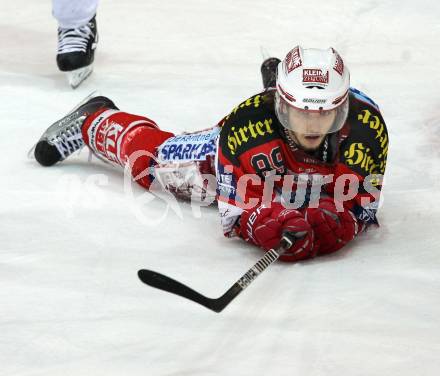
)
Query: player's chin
[{"x": 311, "y": 142}]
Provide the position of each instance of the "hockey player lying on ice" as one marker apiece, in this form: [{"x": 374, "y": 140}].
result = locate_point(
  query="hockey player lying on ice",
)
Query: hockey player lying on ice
[{"x": 306, "y": 155}]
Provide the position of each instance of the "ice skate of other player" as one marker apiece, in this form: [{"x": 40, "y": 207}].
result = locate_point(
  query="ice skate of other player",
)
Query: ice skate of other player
[{"x": 76, "y": 51}]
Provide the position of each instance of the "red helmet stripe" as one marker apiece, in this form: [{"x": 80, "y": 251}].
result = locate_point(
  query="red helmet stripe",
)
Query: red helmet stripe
[
  {"x": 286, "y": 95},
  {"x": 339, "y": 99}
]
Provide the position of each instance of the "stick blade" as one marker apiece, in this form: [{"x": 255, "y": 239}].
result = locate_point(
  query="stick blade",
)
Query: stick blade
[{"x": 162, "y": 282}]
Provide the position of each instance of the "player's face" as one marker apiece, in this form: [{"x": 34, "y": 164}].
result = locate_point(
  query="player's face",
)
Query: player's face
[{"x": 310, "y": 127}]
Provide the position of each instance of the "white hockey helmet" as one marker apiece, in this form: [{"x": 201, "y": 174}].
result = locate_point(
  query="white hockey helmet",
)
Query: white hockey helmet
[{"x": 312, "y": 81}]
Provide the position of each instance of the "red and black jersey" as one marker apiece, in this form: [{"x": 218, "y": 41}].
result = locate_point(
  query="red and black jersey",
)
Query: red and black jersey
[{"x": 258, "y": 161}]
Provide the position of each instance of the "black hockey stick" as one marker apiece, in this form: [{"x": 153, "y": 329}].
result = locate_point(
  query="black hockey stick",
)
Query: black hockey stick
[{"x": 165, "y": 283}]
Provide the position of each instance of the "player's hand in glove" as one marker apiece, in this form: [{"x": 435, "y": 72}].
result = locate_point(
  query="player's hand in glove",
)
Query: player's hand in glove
[
  {"x": 264, "y": 227},
  {"x": 332, "y": 228}
]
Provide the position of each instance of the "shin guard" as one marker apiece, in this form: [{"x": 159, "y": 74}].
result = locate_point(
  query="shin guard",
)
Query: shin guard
[{"x": 115, "y": 136}]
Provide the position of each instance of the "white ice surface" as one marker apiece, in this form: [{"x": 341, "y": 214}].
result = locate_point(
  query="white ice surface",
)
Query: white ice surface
[{"x": 71, "y": 241}]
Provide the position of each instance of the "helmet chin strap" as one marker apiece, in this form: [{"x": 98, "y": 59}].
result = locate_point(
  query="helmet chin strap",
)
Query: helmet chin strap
[{"x": 292, "y": 140}]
